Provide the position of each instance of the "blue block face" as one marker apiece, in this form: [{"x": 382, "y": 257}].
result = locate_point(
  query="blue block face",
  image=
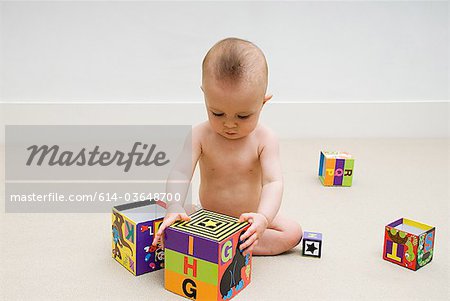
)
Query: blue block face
[{"x": 312, "y": 244}]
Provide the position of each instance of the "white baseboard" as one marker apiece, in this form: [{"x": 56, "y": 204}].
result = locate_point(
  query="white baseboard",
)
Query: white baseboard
[{"x": 288, "y": 120}]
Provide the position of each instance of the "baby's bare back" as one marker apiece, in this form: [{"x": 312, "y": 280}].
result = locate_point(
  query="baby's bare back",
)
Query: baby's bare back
[{"x": 231, "y": 177}]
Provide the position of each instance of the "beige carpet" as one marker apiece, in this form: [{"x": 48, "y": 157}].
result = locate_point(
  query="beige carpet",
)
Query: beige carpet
[{"x": 67, "y": 256}]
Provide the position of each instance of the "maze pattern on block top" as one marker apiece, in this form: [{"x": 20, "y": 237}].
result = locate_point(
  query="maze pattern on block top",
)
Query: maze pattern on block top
[{"x": 210, "y": 225}]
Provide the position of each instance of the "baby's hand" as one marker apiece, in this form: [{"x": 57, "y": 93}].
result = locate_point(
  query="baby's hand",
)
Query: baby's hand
[
  {"x": 169, "y": 219},
  {"x": 259, "y": 224}
]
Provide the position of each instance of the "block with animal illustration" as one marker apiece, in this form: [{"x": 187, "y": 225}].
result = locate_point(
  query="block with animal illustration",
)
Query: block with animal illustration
[
  {"x": 408, "y": 243},
  {"x": 336, "y": 168},
  {"x": 133, "y": 227},
  {"x": 312, "y": 244},
  {"x": 203, "y": 260}
]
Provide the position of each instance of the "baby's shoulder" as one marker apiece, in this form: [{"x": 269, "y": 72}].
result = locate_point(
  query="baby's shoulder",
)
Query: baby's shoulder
[
  {"x": 200, "y": 130},
  {"x": 265, "y": 134}
]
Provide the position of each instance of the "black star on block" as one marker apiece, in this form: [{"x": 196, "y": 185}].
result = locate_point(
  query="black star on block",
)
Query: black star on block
[{"x": 310, "y": 248}]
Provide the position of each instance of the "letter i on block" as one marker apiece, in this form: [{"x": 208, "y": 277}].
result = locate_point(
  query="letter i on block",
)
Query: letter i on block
[
  {"x": 312, "y": 244},
  {"x": 336, "y": 168},
  {"x": 203, "y": 260}
]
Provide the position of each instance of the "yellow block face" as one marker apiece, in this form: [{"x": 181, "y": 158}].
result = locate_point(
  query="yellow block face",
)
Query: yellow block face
[
  {"x": 188, "y": 287},
  {"x": 124, "y": 241},
  {"x": 416, "y": 224}
]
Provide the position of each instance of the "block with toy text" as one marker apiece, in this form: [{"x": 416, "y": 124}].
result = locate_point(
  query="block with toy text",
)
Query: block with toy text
[
  {"x": 133, "y": 227},
  {"x": 203, "y": 259},
  {"x": 408, "y": 243},
  {"x": 336, "y": 168}
]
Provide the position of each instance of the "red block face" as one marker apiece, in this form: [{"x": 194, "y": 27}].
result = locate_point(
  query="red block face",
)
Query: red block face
[
  {"x": 400, "y": 248},
  {"x": 408, "y": 243},
  {"x": 234, "y": 267}
]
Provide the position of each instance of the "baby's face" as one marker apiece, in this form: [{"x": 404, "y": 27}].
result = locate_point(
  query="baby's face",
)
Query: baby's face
[{"x": 233, "y": 110}]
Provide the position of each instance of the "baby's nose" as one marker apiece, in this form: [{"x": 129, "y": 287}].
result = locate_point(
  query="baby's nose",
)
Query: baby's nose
[{"x": 229, "y": 124}]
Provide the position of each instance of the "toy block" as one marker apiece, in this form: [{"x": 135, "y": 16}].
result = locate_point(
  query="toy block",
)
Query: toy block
[
  {"x": 408, "y": 243},
  {"x": 336, "y": 168},
  {"x": 133, "y": 227},
  {"x": 312, "y": 244},
  {"x": 203, "y": 259}
]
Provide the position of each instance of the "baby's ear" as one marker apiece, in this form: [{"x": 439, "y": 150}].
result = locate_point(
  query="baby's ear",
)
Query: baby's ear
[{"x": 267, "y": 98}]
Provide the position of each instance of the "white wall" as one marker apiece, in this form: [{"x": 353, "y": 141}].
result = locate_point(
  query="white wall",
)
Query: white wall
[
  {"x": 319, "y": 53},
  {"x": 152, "y": 51}
]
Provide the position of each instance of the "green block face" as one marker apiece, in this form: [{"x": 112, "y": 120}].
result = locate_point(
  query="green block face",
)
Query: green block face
[
  {"x": 348, "y": 172},
  {"x": 181, "y": 263},
  {"x": 426, "y": 248}
]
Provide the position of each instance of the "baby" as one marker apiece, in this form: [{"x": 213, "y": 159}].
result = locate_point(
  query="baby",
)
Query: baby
[{"x": 240, "y": 170}]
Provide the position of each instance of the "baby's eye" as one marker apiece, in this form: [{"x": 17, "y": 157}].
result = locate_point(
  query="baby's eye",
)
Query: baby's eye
[
  {"x": 217, "y": 114},
  {"x": 243, "y": 117}
]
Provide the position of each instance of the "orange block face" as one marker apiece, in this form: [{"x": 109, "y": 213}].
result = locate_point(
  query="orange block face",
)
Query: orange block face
[
  {"x": 189, "y": 287},
  {"x": 329, "y": 172}
]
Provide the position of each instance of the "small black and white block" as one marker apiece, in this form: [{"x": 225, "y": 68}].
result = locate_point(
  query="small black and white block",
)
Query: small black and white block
[{"x": 312, "y": 244}]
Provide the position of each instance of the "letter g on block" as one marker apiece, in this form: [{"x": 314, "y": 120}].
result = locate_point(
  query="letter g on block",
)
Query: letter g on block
[
  {"x": 192, "y": 292},
  {"x": 227, "y": 251}
]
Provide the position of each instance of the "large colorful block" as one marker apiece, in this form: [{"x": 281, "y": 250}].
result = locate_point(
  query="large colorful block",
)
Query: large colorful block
[
  {"x": 336, "y": 168},
  {"x": 133, "y": 227},
  {"x": 203, "y": 260},
  {"x": 408, "y": 243},
  {"x": 312, "y": 244}
]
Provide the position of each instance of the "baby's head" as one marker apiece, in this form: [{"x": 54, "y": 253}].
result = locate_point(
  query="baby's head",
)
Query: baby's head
[{"x": 234, "y": 82}]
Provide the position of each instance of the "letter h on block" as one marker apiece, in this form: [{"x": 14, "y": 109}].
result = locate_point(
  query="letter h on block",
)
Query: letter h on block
[
  {"x": 336, "y": 168},
  {"x": 202, "y": 257}
]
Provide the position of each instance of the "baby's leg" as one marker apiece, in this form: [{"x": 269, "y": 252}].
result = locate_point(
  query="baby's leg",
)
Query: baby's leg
[{"x": 282, "y": 235}]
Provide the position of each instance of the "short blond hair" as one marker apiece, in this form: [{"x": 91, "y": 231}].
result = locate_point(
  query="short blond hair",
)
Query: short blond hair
[{"x": 234, "y": 61}]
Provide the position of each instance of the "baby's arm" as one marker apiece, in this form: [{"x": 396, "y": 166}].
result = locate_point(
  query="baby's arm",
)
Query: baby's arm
[
  {"x": 178, "y": 182},
  {"x": 272, "y": 190},
  {"x": 271, "y": 194}
]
